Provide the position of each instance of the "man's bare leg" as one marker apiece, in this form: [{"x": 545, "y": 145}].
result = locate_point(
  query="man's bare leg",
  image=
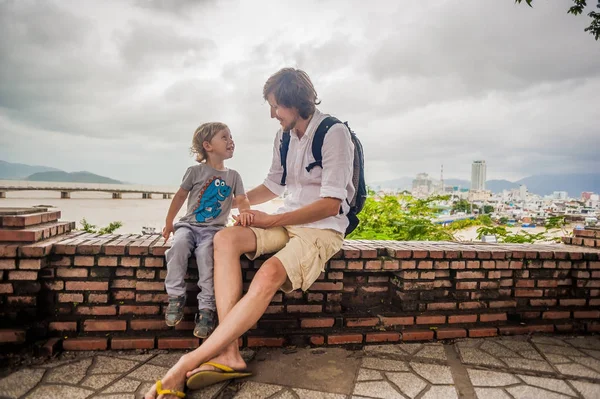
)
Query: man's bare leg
[
  {"x": 240, "y": 318},
  {"x": 229, "y": 245}
]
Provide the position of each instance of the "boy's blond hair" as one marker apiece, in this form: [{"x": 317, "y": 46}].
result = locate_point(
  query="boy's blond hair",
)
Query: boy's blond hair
[{"x": 205, "y": 132}]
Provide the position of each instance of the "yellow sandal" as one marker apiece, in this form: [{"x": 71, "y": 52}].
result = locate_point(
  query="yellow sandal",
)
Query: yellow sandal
[{"x": 173, "y": 392}]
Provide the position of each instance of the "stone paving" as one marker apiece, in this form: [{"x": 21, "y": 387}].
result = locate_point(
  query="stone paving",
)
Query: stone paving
[{"x": 491, "y": 368}]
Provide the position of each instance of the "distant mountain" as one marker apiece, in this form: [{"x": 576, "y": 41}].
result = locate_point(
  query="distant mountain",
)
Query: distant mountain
[
  {"x": 74, "y": 177},
  {"x": 574, "y": 184},
  {"x": 497, "y": 186},
  {"x": 18, "y": 171}
]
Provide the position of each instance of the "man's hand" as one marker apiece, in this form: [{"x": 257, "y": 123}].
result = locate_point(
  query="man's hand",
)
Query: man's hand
[
  {"x": 167, "y": 230},
  {"x": 260, "y": 219},
  {"x": 245, "y": 218}
]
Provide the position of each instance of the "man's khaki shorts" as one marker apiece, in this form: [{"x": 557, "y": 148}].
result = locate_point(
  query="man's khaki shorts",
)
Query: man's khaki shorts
[{"x": 302, "y": 251}]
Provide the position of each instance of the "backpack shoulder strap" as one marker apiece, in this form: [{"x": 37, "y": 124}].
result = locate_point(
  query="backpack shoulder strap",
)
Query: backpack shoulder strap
[
  {"x": 318, "y": 138},
  {"x": 284, "y": 146}
]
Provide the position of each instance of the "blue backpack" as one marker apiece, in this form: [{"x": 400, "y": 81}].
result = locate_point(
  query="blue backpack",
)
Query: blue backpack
[{"x": 358, "y": 176}]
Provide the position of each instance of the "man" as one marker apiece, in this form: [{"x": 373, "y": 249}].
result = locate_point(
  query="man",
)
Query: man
[{"x": 303, "y": 235}]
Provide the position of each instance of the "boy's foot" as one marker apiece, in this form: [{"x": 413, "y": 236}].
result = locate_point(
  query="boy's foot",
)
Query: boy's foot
[
  {"x": 205, "y": 323},
  {"x": 174, "y": 312}
]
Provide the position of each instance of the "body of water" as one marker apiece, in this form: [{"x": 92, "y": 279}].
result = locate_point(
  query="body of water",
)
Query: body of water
[{"x": 100, "y": 209}]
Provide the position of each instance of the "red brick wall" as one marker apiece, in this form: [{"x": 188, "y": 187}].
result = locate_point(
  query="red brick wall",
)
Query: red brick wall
[{"x": 108, "y": 292}]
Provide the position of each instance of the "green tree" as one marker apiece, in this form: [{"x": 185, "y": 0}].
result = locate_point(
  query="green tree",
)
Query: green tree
[
  {"x": 487, "y": 209},
  {"x": 576, "y": 9},
  {"x": 92, "y": 228},
  {"x": 461, "y": 206}
]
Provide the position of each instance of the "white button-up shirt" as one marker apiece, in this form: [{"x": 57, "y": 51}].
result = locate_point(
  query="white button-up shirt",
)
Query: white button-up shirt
[{"x": 333, "y": 180}]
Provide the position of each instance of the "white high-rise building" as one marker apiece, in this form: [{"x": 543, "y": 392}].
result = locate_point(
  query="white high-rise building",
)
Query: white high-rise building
[{"x": 478, "y": 175}]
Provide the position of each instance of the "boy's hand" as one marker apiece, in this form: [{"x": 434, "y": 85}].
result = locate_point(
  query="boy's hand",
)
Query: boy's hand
[
  {"x": 167, "y": 230},
  {"x": 261, "y": 219},
  {"x": 245, "y": 219}
]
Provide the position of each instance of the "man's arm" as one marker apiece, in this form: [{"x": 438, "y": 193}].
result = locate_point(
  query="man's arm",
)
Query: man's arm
[
  {"x": 260, "y": 194},
  {"x": 318, "y": 210}
]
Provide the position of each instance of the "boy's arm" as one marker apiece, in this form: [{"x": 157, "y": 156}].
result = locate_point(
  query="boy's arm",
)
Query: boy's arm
[
  {"x": 242, "y": 202},
  {"x": 176, "y": 204}
]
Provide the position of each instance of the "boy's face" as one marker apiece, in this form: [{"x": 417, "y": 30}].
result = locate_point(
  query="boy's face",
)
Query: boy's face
[
  {"x": 221, "y": 145},
  {"x": 287, "y": 117}
]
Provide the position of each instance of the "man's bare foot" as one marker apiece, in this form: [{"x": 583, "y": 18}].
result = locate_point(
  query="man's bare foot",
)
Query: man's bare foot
[{"x": 235, "y": 362}]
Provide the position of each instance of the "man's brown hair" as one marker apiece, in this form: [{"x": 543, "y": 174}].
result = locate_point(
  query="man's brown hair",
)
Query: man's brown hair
[{"x": 292, "y": 88}]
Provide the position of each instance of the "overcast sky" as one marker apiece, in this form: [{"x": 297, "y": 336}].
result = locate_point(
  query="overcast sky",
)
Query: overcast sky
[{"x": 117, "y": 88}]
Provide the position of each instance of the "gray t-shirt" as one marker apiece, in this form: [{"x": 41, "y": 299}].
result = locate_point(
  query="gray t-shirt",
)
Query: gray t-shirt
[{"x": 211, "y": 194}]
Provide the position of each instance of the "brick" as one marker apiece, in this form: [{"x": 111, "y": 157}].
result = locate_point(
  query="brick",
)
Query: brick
[
  {"x": 362, "y": 322},
  {"x": 83, "y": 261},
  {"x": 548, "y": 328},
  {"x": 149, "y": 297},
  {"x": 382, "y": 337},
  {"x": 123, "y": 295},
  {"x": 482, "y": 332},
  {"x": 373, "y": 289},
  {"x": 337, "y": 264},
  {"x": 543, "y": 302},
  {"x": 8, "y": 264},
  {"x": 469, "y": 275},
  {"x": 54, "y": 285},
  {"x": 468, "y": 318},
  {"x": 317, "y": 323},
  {"x": 178, "y": 343},
  {"x": 274, "y": 309},
  {"x": 154, "y": 262},
  {"x": 265, "y": 342},
  {"x": 130, "y": 262},
  {"x": 317, "y": 340},
  {"x": 373, "y": 265},
  {"x": 104, "y": 325},
  {"x": 149, "y": 286},
  {"x": 590, "y": 314},
  {"x": 86, "y": 286},
  {"x": 22, "y": 300},
  {"x": 391, "y": 265},
  {"x": 71, "y": 273},
  {"x": 110, "y": 261},
  {"x": 63, "y": 326},
  {"x": 85, "y": 344},
  {"x": 466, "y": 285},
  {"x": 139, "y": 310},
  {"x": 110, "y": 310},
  {"x": 304, "y": 308},
  {"x": 131, "y": 343},
  {"x": 425, "y": 264},
  {"x": 449, "y": 333},
  {"x": 6, "y": 289},
  {"x": 145, "y": 274},
  {"x": 30, "y": 264},
  {"x": 335, "y": 275},
  {"x": 12, "y": 336},
  {"x": 457, "y": 265},
  {"x": 327, "y": 286},
  {"x": 513, "y": 330},
  {"x": 471, "y": 305},
  {"x": 487, "y": 317},
  {"x": 342, "y": 339},
  {"x": 417, "y": 335},
  {"x": 431, "y": 319},
  {"x": 355, "y": 265},
  {"x": 397, "y": 321},
  {"x": 148, "y": 325},
  {"x": 124, "y": 272},
  {"x": 556, "y": 315},
  {"x": 528, "y": 293},
  {"x": 50, "y": 348},
  {"x": 63, "y": 298},
  {"x": 98, "y": 298},
  {"x": 408, "y": 264},
  {"x": 441, "y": 306},
  {"x": 22, "y": 275},
  {"x": 62, "y": 261},
  {"x": 123, "y": 284}
]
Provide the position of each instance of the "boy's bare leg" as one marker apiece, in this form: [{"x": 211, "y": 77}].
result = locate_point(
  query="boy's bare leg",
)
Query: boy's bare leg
[{"x": 222, "y": 344}]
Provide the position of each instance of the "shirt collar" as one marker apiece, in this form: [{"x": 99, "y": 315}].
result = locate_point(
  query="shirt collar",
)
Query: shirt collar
[{"x": 315, "y": 120}]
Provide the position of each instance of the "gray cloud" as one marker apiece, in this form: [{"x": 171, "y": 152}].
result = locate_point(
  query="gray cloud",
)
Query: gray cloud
[{"x": 118, "y": 88}]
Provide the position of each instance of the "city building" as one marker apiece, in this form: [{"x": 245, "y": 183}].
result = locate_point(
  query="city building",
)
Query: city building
[{"x": 478, "y": 175}]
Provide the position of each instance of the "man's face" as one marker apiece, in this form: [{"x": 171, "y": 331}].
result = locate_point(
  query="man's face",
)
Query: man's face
[{"x": 287, "y": 117}]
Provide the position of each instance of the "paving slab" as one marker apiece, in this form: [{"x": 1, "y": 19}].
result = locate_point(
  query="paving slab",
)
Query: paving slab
[{"x": 490, "y": 368}]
